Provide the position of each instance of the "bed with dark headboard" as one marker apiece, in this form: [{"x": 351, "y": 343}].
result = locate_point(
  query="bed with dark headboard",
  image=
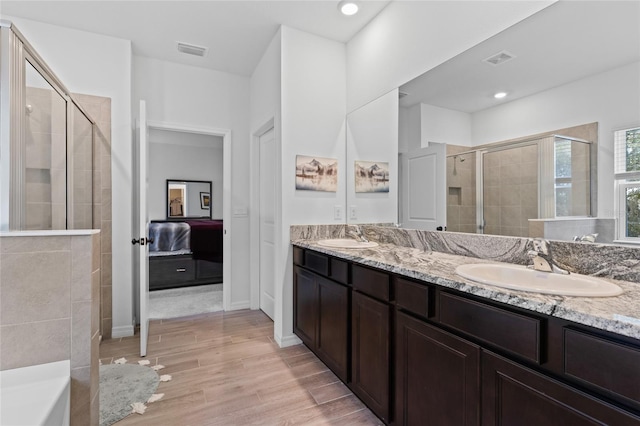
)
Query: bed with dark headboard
[{"x": 185, "y": 253}]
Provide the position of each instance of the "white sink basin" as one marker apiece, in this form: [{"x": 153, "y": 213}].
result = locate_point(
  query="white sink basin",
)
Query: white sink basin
[
  {"x": 519, "y": 277},
  {"x": 347, "y": 243}
]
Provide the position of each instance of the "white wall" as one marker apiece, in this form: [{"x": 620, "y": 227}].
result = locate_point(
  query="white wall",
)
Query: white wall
[
  {"x": 409, "y": 38},
  {"x": 372, "y": 135},
  {"x": 204, "y": 98},
  {"x": 181, "y": 160},
  {"x": 610, "y": 98},
  {"x": 266, "y": 86},
  {"x": 98, "y": 65},
  {"x": 442, "y": 125},
  {"x": 265, "y": 112},
  {"x": 313, "y": 123}
]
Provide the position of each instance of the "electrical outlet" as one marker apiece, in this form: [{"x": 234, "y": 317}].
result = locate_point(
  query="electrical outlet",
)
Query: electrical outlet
[
  {"x": 337, "y": 212},
  {"x": 353, "y": 213}
]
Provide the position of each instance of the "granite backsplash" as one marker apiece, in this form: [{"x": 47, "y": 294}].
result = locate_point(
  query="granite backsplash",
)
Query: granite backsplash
[{"x": 601, "y": 260}]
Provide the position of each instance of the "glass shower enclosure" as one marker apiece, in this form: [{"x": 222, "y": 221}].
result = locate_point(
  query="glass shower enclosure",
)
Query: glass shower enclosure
[{"x": 46, "y": 144}]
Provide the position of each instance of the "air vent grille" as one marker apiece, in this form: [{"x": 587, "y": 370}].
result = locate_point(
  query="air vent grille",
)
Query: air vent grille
[
  {"x": 499, "y": 58},
  {"x": 191, "y": 49}
]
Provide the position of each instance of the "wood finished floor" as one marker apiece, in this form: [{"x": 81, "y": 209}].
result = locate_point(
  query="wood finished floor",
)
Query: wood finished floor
[{"x": 227, "y": 370}]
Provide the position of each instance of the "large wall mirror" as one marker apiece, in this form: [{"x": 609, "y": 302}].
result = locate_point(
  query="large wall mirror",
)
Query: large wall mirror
[
  {"x": 570, "y": 74},
  {"x": 188, "y": 199}
]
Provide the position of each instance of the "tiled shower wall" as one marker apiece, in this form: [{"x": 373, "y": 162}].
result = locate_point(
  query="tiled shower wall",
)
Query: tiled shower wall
[
  {"x": 461, "y": 190},
  {"x": 99, "y": 108},
  {"x": 49, "y": 306},
  {"x": 510, "y": 190}
]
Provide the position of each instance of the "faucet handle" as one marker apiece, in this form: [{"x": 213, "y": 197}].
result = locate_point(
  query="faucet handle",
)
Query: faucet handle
[{"x": 541, "y": 245}]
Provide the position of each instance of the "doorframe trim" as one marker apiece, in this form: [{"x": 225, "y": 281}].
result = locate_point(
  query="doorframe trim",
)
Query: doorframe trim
[
  {"x": 227, "y": 278},
  {"x": 254, "y": 217}
]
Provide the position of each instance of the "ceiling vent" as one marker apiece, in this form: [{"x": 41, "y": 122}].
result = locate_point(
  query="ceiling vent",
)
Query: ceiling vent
[
  {"x": 499, "y": 58},
  {"x": 402, "y": 94},
  {"x": 191, "y": 49}
]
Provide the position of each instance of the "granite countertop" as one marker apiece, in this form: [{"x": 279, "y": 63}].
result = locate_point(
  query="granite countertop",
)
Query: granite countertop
[{"x": 618, "y": 314}]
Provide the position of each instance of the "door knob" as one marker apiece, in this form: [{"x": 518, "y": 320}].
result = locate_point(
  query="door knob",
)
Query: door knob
[{"x": 142, "y": 241}]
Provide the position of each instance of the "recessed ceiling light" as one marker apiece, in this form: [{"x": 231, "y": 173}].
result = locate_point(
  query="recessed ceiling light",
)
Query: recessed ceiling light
[
  {"x": 500, "y": 95},
  {"x": 348, "y": 7}
]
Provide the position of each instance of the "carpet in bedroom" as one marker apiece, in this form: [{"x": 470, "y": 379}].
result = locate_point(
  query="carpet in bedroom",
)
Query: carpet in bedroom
[{"x": 182, "y": 302}]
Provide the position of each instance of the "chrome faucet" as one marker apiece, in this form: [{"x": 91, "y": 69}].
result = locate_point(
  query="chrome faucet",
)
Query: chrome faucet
[
  {"x": 356, "y": 233},
  {"x": 541, "y": 257}
]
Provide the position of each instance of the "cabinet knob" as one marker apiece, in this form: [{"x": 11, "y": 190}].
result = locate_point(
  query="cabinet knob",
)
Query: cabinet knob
[{"x": 181, "y": 269}]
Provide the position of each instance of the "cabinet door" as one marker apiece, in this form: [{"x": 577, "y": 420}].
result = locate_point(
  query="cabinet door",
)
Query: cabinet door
[
  {"x": 437, "y": 376},
  {"x": 305, "y": 306},
  {"x": 370, "y": 353},
  {"x": 332, "y": 339},
  {"x": 515, "y": 395}
]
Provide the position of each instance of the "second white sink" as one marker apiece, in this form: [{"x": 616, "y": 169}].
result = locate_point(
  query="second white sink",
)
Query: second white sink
[
  {"x": 347, "y": 243},
  {"x": 519, "y": 277}
]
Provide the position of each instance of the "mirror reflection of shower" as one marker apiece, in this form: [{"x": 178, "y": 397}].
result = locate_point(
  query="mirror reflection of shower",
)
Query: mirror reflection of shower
[
  {"x": 506, "y": 185},
  {"x": 461, "y": 189},
  {"x": 455, "y": 158}
]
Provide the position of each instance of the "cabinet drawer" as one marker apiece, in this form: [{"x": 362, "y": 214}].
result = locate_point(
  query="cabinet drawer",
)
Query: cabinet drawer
[
  {"x": 511, "y": 331},
  {"x": 370, "y": 282},
  {"x": 412, "y": 297},
  {"x": 609, "y": 365},
  {"x": 298, "y": 256},
  {"x": 171, "y": 270},
  {"x": 340, "y": 271},
  {"x": 317, "y": 262}
]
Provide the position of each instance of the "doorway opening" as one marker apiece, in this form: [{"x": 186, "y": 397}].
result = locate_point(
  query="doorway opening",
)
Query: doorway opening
[{"x": 188, "y": 202}]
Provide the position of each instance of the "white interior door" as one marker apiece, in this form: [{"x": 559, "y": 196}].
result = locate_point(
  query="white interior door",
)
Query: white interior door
[
  {"x": 267, "y": 221},
  {"x": 423, "y": 186},
  {"x": 142, "y": 228}
]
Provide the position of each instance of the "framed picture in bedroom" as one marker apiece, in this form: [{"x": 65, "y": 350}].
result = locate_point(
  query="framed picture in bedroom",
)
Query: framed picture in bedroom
[{"x": 205, "y": 200}]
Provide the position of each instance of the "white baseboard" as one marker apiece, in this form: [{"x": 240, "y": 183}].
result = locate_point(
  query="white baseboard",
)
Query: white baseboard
[
  {"x": 290, "y": 340},
  {"x": 236, "y": 306},
  {"x": 122, "y": 331}
]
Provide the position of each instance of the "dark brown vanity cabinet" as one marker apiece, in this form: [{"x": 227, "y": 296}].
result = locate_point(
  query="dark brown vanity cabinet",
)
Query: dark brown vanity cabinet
[
  {"x": 321, "y": 318},
  {"x": 371, "y": 339},
  {"x": 437, "y": 376},
  {"x": 422, "y": 354},
  {"x": 516, "y": 395},
  {"x": 305, "y": 306},
  {"x": 370, "y": 353}
]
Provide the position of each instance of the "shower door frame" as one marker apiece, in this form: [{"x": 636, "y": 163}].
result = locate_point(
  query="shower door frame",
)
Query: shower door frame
[{"x": 15, "y": 51}]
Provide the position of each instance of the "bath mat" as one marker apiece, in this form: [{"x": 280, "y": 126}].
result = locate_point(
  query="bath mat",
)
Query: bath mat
[{"x": 122, "y": 385}]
